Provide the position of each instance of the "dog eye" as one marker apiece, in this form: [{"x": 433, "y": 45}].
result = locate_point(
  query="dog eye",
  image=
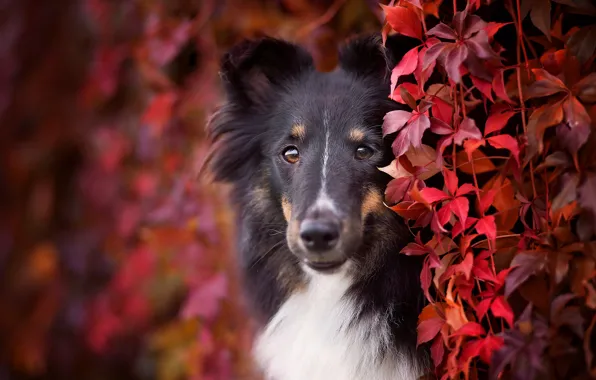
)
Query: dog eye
[
  {"x": 291, "y": 155},
  {"x": 363, "y": 152}
]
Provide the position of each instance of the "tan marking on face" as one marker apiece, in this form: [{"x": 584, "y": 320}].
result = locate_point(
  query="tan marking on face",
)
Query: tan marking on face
[
  {"x": 286, "y": 207},
  {"x": 372, "y": 203},
  {"x": 298, "y": 131},
  {"x": 356, "y": 135}
]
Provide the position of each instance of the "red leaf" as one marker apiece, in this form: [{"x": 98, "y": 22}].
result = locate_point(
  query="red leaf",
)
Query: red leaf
[
  {"x": 410, "y": 210},
  {"x": 486, "y": 226},
  {"x": 486, "y": 199},
  {"x": 428, "y": 329},
  {"x": 493, "y": 27},
  {"x": 585, "y": 89},
  {"x": 496, "y": 122},
  {"x": 505, "y": 142},
  {"x": 458, "y": 228},
  {"x": 406, "y": 66},
  {"x": 432, "y": 195},
  {"x": 490, "y": 344},
  {"x": 415, "y": 249},
  {"x": 395, "y": 121},
  {"x": 465, "y": 267},
  {"x": 426, "y": 277},
  {"x": 404, "y": 21},
  {"x": 470, "y": 329},
  {"x": 546, "y": 85},
  {"x": 587, "y": 191},
  {"x": 411, "y": 135},
  {"x": 483, "y": 86},
  {"x": 464, "y": 189},
  {"x": 499, "y": 87},
  {"x": 467, "y": 130},
  {"x": 473, "y": 25},
  {"x": 397, "y": 188},
  {"x": 540, "y": 16},
  {"x": 437, "y": 351},
  {"x": 441, "y": 30},
  {"x": 460, "y": 207},
  {"x": 442, "y": 111},
  {"x": 422, "y": 74},
  {"x": 411, "y": 88},
  {"x": 482, "y": 308},
  {"x": 501, "y": 308},
  {"x": 450, "y": 181}
]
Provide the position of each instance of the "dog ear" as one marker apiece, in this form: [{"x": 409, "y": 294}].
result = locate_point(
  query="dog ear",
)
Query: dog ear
[
  {"x": 253, "y": 67},
  {"x": 366, "y": 56}
]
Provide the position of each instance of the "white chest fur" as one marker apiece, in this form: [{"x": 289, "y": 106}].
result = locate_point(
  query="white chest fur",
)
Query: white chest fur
[{"x": 313, "y": 337}]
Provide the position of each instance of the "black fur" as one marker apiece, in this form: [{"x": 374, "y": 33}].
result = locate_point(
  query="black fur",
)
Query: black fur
[{"x": 268, "y": 84}]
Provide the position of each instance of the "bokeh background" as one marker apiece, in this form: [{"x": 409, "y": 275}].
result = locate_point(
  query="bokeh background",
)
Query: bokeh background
[{"x": 116, "y": 258}]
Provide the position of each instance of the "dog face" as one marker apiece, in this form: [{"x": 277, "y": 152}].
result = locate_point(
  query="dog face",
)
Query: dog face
[{"x": 313, "y": 140}]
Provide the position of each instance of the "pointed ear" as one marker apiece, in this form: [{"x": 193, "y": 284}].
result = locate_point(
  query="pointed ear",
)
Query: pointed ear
[
  {"x": 253, "y": 67},
  {"x": 366, "y": 55}
]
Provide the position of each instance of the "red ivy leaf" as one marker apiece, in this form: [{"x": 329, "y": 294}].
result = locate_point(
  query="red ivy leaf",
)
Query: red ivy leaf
[
  {"x": 428, "y": 329},
  {"x": 585, "y": 89},
  {"x": 460, "y": 207},
  {"x": 464, "y": 189},
  {"x": 437, "y": 350},
  {"x": 404, "y": 21},
  {"x": 496, "y": 122},
  {"x": 501, "y": 308},
  {"x": 432, "y": 195},
  {"x": 486, "y": 226},
  {"x": 397, "y": 189},
  {"x": 450, "y": 180},
  {"x": 406, "y": 66},
  {"x": 465, "y": 267},
  {"x": 505, "y": 142},
  {"x": 499, "y": 87},
  {"x": 411, "y": 88},
  {"x": 432, "y": 54},
  {"x": 546, "y": 85},
  {"x": 470, "y": 329},
  {"x": 483, "y": 86}
]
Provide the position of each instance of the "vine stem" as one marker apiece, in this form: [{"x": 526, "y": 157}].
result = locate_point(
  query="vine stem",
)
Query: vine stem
[{"x": 520, "y": 47}]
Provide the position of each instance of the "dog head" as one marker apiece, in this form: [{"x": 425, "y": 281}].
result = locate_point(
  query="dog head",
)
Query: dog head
[{"x": 314, "y": 139}]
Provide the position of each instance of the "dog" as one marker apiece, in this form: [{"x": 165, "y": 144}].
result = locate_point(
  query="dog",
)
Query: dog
[{"x": 318, "y": 249}]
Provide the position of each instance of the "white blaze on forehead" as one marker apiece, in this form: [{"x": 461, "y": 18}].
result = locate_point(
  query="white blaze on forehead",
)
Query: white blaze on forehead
[{"x": 323, "y": 201}]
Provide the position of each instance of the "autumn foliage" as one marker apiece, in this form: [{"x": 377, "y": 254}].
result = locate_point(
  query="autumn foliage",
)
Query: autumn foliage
[{"x": 496, "y": 161}]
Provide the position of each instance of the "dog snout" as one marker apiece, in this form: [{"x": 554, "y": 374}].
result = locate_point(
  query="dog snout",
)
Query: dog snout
[{"x": 320, "y": 235}]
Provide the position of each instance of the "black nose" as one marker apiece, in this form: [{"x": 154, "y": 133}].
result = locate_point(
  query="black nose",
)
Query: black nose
[{"x": 319, "y": 235}]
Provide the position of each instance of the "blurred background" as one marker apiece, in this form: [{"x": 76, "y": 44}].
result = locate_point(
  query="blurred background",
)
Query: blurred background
[{"x": 116, "y": 260}]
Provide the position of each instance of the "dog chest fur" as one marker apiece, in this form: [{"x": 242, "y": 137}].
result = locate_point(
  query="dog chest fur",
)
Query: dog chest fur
[{"x": 317, "y": 335}]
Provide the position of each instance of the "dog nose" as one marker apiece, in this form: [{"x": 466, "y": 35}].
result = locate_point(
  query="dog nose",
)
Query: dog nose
[{"x": 319, "y": 235}]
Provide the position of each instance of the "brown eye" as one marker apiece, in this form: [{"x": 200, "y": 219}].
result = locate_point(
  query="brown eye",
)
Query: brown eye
[
  {"x": 291, "y": 154},
  {"x": 363, "y": 152}
]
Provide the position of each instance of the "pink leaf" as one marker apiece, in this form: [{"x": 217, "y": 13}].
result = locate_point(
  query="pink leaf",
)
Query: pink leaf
[
  {"x": 397, "y": 188},
  {"x": 437, "y": 351},
  {"x": 464, "y": 189},
  {"x": 453, "y": 60},
  {"x": 499, "y": 87},
  {"x": 204, "y": 300},
  {"x": 432, "y": 54},
  {"x": 467, "y": 130},
  {"x": 411, "y": 135},
  {"x": 442, "y": 111},
  {"x": 411, "y": 88},
  {"x": 395, "y": 121},
  {"x": 442, "y": 31}
]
